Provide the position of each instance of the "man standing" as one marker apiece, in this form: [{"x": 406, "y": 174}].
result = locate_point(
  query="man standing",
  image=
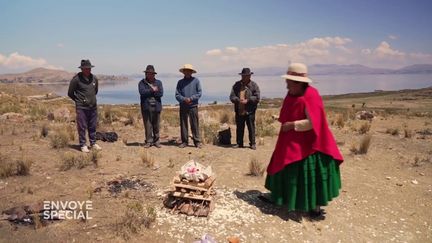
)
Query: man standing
[
  {"x": 151, "y": 91},
  {"x": 245, "y": 95},
  {"x": 188, "y": 92},
  {"x": 83, "y": 89}
]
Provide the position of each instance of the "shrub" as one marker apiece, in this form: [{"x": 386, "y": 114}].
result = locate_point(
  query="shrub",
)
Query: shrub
[
  {"x": 70, "y": 161},
  {"x": 364, "y": 145},
  {"x": 19, "y": 167},
  {"x": 60, "y": 139},
  {"x": 209, "y": 132},
  {"x": 147, "y": 159},
  {"x": 134, "y": 219},
  {"x": 44, "y": 130},
  {"x": 364, "y": 127},
  {"x": 255, "y": 168},
  {"x": 393, "y": 131}
]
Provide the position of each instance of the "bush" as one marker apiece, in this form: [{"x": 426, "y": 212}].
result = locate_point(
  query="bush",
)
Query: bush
[
  {"x": 44, "y": 130},
  {"x": 209, "y": 132},
  {"x": 255, "y": 168},
  {"x": 70, "y": 161},
  {"x": 363, "y": 146},
  {"x": 134, "y": 219},
  {"x": 364, "y": 128},
  {"x": 393, "y": 131},
  {"x": 19, "y": 167},
  {"x": 147, "y": 159}
]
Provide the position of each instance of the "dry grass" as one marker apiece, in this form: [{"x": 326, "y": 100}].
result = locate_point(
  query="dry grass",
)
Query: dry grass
[
  {"x": 147, "y": 159},
  {"x": 59, "y": 140},
  {"x": 408, "y": 133},
  {"x": 364, "y": 128},
  {"x": 339, "y": 121},
  {"x": 256, "y": 168},
  {"x": 134, "y": 219},
  {"x": 264, "y": 124},
  {"x": 171, "y": 117},
  {"x": 94, "y": 157},
  {"x": 8, "y": 167},
  {"x": 364, "y": 145},
  {"x": 44, "y": 130},
  {"x": 393, "y": 131},
  {"x": 209, "y": 132},
  {"x": 70, "y": 161}
]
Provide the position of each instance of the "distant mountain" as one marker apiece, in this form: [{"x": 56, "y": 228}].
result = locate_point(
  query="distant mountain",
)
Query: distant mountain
[
  {"x": 44, "y": 75},
  {"x": 416, "y": 68},
  {"x": 332, "y": 69}
]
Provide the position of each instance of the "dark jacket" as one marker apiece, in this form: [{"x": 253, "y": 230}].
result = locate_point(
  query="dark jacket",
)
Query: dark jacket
[
  {"x": 252, "y": 95},
  {"x": 83, "y": 91},
  {"x": 150, "y": 100},
  {"x": 188, "y": 88}
]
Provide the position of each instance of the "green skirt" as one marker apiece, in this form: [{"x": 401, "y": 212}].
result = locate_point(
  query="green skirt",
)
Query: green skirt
[{"x": 306, "y": 184}]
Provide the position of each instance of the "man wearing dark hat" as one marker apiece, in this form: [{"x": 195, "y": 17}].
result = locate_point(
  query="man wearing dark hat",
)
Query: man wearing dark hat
[
  {"x": 83, "y": 89},
  {"x": 151, "y": 91},
  {"x": 188, "y": 92},
  {"x": 245, "y": 95}
]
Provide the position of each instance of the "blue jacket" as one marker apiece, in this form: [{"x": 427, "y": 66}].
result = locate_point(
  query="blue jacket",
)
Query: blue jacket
[
  {"x": 149, "y": 98},
  {"x": 188, "y": 88}
]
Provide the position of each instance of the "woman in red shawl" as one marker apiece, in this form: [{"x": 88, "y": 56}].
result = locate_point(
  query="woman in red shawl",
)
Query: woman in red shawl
[{"x": 304, "y": 169}]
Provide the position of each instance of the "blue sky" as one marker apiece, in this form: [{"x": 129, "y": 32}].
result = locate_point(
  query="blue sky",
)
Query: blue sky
[{"x": 124, "y": 36}]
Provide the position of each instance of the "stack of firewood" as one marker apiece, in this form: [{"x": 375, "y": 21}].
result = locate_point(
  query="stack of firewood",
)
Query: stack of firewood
[{"x": 190, "y": 197}]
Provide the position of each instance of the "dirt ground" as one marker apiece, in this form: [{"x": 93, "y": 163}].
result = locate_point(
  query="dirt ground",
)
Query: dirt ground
[{"x": 386, "y": 193}]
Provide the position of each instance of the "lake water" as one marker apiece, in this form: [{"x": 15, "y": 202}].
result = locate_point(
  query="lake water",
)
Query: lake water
[{"x": 218, "y": 88}]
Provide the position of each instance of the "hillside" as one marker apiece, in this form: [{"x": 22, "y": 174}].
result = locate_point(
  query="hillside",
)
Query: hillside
[{"x": 44, "y": 75}]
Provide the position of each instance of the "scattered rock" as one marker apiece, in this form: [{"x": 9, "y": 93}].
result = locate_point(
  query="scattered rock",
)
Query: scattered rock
[{"x": 415, "y": 182}]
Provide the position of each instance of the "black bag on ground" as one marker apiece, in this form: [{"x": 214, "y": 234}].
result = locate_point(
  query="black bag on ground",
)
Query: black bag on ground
[
  {"x": 224, "y": 137},
  {"x": 107, "y": 136}
]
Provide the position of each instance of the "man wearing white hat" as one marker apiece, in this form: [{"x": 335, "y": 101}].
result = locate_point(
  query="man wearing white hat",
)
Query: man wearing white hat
[{"x": 188, "y": 92}]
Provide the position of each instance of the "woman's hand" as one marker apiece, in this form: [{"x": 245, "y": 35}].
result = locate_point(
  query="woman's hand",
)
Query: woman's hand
[{"x": 287, "y": 126}]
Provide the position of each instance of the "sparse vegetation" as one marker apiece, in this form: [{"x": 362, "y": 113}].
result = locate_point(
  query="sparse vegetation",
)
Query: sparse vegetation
[
  {"x": 147, "y": 159},
  {"x": 393, "y": 131},
  {"x": 44, "y": 130},
  {"x": 134, "y": 219},
  {"x": 9, "y": 167},
  {"x": 94, "y": 157},
  {"x": 59, "y": 139},
  {"x": 408, "y": 133},
  {"x": 70, "y": 160},
  {"x": 364, "y": 127},
  {"x": 364, "y": 145},
  {"x": 209, "y": 132},
  {"x": 256, "y": 168}
]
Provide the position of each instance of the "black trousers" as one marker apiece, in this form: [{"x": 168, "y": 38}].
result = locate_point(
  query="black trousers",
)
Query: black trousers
[
  {"x": 151, "y": 121},
  {"x": 190, "y": 114},
  {"x": 249, "y": 119}
]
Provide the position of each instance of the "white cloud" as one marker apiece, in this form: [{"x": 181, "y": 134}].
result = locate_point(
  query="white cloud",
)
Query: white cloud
[
  {"x": 393, "y": 37},
  {"x": 16, "y": 60},
  {"x": 384, "y": 50},
  {"x": 231, "y": 50},
  {"x": 214, "y": 52},
  {"x": 319, "y": 50},
  {"x": 60, "y": 45}
]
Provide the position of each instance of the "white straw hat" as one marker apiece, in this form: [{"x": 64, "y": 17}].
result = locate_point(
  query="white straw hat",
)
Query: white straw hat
[
  {"x": 297, "y": 72},
  {"x": 187, "y": 66}
]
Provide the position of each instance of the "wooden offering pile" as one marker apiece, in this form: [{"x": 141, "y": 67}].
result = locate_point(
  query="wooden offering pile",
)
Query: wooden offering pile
[{"x": 190, "y": 197}]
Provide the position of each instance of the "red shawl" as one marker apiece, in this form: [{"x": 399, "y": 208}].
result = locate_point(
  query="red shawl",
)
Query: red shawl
[{"x": 293, "y": 146}]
